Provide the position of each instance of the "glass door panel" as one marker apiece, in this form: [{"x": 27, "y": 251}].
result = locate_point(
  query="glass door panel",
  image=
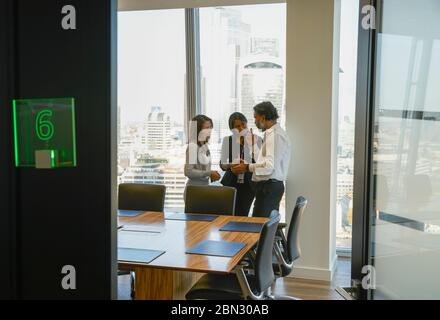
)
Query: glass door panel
[{"x": 405, "y": 229}]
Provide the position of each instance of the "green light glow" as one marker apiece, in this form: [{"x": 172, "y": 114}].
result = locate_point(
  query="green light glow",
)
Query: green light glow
[
  {"x": 43, "y": 127},
  {"x": 52, "y": 158},
  {"x": 44, "y": 124},
  {"x": 14, "y": 112},
  {"x": 73, "y": 131}
]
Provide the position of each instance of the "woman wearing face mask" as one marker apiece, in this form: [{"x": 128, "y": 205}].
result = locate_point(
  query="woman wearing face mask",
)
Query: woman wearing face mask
[
  {"x": 241, "y": 147},
  {"x": 198, "y": 157}
]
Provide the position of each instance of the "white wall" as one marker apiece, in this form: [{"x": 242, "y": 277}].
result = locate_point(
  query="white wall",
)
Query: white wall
[{"x": 311, "y": 103}]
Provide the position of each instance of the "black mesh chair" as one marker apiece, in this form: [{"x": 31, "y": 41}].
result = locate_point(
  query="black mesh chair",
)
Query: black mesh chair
[
  {"x": 241, "y": 284},
  {"x": 210, "y": 200},
  {"x": 287, "y": 249},
  {"x": 143, "y": 197}
]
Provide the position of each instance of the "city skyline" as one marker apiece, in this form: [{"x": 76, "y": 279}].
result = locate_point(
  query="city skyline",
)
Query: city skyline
[{"x": 237, "y": 51}]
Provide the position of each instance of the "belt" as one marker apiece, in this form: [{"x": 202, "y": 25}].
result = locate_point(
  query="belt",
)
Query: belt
[{"x": 270, "y": 180}]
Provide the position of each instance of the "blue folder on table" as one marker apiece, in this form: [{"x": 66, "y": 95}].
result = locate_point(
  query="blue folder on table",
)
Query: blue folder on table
[
  {"x": 138, "y": 255},
  {"x": 236, "y": 226},
  {"x": 216, "y": 248},
  {"x": 190, "y": 217}
]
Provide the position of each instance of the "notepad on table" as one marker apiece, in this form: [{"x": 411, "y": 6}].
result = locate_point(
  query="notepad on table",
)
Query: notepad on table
[
  {"x": 216, "y": 248},
  {"x": 190, "y": 217},
  {"x": 236, "y": 226},
  {"x": 138, "y": 255}
]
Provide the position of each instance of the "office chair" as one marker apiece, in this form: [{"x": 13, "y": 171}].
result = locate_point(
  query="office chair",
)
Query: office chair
[
  {"x": 143, "y": 197},
  {"x": 210, "y": 200},
  {"x": 287, "y": 250},
  {"x": 241, "y": 284}
]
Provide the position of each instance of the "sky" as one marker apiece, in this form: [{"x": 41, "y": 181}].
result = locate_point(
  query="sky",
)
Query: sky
[
  {"x": 348, "y": 58},
  {"x": 151, "y": 56},
  {"x": 151, "y": 62}
]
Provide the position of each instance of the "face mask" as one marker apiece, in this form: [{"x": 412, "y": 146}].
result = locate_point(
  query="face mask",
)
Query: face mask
[
  {"x": 260, "y": 125},
  {"x": 235, "y": 132},
  {"x": 204, "y": 135},
  {"x": 243, "y": 133}
]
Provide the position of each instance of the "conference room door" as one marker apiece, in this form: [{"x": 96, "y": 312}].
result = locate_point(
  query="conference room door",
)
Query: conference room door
[
  {"x": 58, "y": 218},
  {"x": 404, "y": 224}
]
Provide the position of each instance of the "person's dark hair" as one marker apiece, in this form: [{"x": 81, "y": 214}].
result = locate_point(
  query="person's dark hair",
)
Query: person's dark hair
[
  {"x": 236, "y": 116},
  {"x": 199, "y": 120},
  {"x": 267, "y": 109}
]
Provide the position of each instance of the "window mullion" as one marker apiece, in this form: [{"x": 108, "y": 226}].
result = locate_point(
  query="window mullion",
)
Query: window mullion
[{"x": 193, "y": 88}]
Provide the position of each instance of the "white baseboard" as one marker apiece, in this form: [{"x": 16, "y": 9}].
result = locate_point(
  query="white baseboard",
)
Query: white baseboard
[{"x": 312, "y": 273}]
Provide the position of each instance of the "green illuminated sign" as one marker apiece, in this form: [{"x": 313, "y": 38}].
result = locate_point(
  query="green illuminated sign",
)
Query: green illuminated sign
[
  {"x": 44, "y": 132},
  {"x": 43, "y": 126}
]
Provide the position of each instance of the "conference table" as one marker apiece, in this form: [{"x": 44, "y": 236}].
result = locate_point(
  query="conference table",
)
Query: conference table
[{"x": 172, "y": 274}]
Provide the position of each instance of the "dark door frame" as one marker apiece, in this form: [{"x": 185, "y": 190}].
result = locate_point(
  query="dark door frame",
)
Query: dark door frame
[
  {"x": 95, "y": 252},
  {"x": 363, "y": 174},
  {"x": 9, "y": 233}
]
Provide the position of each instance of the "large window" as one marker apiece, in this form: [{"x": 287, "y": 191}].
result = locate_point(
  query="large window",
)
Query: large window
[
  {"x": 242, "y": 62},
  {"x": 151, "y": 100},
  {"x": 347, "y": 108}
]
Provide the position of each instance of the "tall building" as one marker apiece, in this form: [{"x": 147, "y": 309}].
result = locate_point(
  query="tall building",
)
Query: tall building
[
  {"x": 266, "y": 46},
  {"x": 153, "y": 170},
  {"x": 344, "y": 221},
  {"x": 157, "y": 130},
  {"x": 226, "y": 40},
  {"x": 262, "y": 79},
  {"x": 344, "y": 185}
]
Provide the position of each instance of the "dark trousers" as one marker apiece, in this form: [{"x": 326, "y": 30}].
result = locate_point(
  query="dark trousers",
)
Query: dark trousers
[
  {"x": 245, "y": 197},
  {"x": 268, "y": 195},
  {"x": 245, "y": 192}
]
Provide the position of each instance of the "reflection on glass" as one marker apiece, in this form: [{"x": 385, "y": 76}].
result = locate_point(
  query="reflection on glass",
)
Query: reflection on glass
[{"x": 405, "y": 242}]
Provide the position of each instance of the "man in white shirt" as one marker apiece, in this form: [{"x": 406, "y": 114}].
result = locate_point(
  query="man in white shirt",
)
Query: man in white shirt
[{"x": 270, "y": 169}]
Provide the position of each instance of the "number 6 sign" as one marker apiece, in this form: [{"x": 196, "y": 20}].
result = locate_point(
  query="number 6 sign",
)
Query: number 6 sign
[
  {"x": 44, "y": 132},
  {"x": 43, "y": 126}
]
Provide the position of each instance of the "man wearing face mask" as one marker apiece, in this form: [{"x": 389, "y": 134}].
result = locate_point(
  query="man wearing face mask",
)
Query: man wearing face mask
[
  {"x": 241, "y": 146},
  {"x": 269, "y": 172}
]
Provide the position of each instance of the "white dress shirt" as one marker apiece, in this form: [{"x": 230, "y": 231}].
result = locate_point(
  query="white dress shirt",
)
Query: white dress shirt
[{"x": 273, "y": 157}]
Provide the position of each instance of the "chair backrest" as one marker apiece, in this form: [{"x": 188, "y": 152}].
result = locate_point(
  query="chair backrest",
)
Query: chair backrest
[
  {"x": 264, "y": 274},
  {"x": 210, "y": 200},
  {"x": 293, "y": 248},
  {"x": 144, "y": 197}
]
